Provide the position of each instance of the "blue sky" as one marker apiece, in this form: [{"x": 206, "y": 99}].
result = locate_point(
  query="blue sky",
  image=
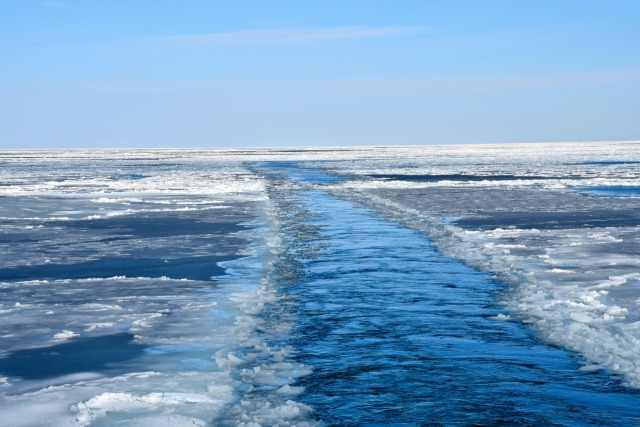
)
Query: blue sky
[{"x": 196, "y": 73}]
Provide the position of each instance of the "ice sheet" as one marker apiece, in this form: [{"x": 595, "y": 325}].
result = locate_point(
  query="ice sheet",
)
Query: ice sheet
[{"x": 120, "y": 246}]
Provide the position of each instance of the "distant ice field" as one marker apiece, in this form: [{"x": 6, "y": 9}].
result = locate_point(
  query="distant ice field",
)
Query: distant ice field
[{"x": 309, "y": 286}]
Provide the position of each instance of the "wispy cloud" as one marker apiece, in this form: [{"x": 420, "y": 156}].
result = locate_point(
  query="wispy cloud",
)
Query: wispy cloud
[{"x": 294, "y": 35}]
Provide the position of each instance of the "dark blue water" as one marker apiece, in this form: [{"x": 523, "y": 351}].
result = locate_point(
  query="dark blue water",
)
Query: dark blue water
[
  {"x": 619, "y": 191},
  {"x": 302, "y": 174},
  {"x": 399, "y": 335},
  {"x": 607, "y": 163}
]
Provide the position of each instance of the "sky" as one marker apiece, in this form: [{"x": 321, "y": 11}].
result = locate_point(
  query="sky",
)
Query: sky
[{"x": 257, "y": 73}]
